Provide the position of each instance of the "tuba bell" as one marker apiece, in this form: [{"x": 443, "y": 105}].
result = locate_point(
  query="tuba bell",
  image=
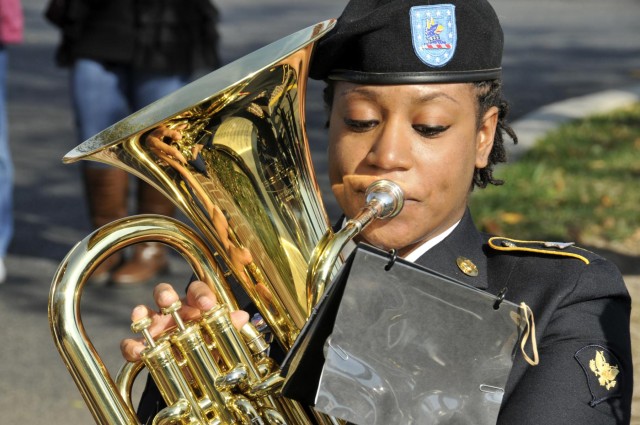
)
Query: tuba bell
[{"x": 231, "y": 152}]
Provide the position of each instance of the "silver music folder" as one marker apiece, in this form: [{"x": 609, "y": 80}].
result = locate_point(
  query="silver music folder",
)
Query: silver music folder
[{"x": 410, "y": 346}]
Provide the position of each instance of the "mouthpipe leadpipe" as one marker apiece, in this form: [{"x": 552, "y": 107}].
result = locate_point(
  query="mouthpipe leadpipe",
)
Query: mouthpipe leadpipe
[{"x": 385, "y": 199}]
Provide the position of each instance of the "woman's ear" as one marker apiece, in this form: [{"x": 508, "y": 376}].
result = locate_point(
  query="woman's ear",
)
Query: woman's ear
[{"x": 485, "y": 136}]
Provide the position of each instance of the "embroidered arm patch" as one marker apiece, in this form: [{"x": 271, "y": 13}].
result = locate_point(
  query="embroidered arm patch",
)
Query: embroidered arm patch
[{"x": 602, "y": 370}]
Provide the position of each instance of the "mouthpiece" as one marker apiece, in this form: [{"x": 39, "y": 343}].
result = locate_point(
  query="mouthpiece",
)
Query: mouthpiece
[{"x": 386, "y": 198}]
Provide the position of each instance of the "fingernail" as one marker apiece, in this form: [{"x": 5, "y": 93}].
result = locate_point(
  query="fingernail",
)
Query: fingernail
[
  {"x": 138, "y": 313},
  {"x": 138, "y": 350},
  {"x": 204, "y": 303},
  {"x": 164, "y": 296}
]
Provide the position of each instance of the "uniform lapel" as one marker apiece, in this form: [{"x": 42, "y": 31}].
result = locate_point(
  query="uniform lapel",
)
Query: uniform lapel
[{"x": 465, "y": 243}]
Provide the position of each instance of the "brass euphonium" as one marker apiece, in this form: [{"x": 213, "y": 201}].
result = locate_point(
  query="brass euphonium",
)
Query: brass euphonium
[{"x": 230, "y": 150}]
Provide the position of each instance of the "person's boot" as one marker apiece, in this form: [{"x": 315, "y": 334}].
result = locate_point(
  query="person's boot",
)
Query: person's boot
[
  {"x": 106, "y": 194},
  {"x": 149, "y": 259}
]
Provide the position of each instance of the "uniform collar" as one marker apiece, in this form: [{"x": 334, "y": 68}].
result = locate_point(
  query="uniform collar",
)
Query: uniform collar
[
  {"x": 463, "y": 244},
  {"x": 426, "y": 246}
]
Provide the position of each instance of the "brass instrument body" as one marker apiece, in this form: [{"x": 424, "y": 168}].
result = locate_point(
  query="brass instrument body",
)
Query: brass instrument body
[
  {"x": 237, "y": 164},
  {"x": 240, "y": 170},
  {"x": 107, "y": 403}
]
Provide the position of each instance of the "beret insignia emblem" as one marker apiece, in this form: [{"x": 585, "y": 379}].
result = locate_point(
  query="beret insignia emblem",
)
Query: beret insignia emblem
[{"x": 434, "y": 33}]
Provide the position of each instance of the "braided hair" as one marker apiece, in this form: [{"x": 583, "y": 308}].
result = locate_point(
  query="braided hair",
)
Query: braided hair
[{"x": 489, "y": 94}]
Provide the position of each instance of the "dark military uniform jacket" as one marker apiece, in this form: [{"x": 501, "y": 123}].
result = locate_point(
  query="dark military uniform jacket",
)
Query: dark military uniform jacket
[{"x": 581, "y": 309}]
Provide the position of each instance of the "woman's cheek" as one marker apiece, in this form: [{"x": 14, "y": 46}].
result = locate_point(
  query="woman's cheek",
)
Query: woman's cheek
[{"x": 387, "y": 234}]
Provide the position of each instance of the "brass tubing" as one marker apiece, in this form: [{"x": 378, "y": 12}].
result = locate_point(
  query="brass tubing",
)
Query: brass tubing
[
  {"x": 385, "y": 200},
  {"x": 125, "y": 378},
  {"x": 84, "y": 363},
  {"x": 204, "y": 370},
  {"x": 229, "y": 342},
  {"x": 233, "y": 350},
  {"x": 167, "y": 375},
  {"x": 247, "y": 411}
]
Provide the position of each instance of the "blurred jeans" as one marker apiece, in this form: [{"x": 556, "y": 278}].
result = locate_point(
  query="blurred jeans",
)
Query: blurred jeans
[
  {"x": 6, "y": 165},
  {"x": 104, "y": 94}
]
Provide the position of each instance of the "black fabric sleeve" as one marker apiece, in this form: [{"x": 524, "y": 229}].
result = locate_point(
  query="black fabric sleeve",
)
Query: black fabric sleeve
[{"x": 585, "y": 374}]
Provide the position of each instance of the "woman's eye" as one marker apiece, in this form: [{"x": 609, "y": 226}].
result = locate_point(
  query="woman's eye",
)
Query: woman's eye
[
  {"x": 430, "y": 130},
  {"x": 360, "y": 125}
]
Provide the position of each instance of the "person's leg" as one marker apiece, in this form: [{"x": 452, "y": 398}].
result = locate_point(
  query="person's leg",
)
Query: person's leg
[
  {"x": 147, "y": 87},
  {"x": 149, "y": 259},
  {"x": 99, "y": 98},
  {"x": 6, "y": 170}
]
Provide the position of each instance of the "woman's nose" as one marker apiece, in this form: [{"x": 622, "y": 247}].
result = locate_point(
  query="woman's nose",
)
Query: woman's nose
[{"x": 392, "y": 148}]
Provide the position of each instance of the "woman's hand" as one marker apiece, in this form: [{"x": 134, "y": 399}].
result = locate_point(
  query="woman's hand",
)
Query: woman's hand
[{"x": 199, "y": 298}]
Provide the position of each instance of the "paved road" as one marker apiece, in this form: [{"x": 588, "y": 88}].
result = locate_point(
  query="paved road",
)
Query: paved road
[{"x": 555, "y": 49}]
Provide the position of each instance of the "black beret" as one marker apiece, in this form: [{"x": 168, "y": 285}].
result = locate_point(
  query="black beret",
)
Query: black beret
[{"x": 409, "y": 42}]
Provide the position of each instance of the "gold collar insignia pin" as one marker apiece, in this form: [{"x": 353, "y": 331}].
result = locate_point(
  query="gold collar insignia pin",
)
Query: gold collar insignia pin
[{"x": 467, "y": 267}]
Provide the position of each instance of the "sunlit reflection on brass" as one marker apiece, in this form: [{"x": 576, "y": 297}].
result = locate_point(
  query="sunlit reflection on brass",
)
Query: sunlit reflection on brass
[{"x": 237, "y": 164}]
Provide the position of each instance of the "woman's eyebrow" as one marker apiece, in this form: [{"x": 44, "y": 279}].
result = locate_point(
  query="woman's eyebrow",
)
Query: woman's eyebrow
[
  {"x": 428, "y": 97},
  {"x": 372, "y": 94},
  {"x": 359, "y": 90}
]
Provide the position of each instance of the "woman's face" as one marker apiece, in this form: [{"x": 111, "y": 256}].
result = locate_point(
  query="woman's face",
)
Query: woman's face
[{"x": 424, "y": 137}]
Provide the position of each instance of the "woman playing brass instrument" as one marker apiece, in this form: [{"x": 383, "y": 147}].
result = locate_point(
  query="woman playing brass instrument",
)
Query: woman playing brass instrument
[{"x": 414, "y": 93}]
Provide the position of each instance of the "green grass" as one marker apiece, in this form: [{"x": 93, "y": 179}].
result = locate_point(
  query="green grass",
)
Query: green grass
[{"x": 580, "y": 183}]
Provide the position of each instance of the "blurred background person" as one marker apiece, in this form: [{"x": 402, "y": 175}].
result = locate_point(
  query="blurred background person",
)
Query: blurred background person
[
  {"x": 11, "y": 32},
  {"x": 123, "y": 55}
]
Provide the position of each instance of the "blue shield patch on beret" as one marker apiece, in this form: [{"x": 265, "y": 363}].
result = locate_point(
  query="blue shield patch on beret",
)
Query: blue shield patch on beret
[{"x": 434, "y": 34}]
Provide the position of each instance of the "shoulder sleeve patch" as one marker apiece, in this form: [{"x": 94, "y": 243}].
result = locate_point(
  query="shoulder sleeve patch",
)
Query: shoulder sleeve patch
[
  {"x": 561, "y": 249},
  {"x": 602, "y": 370}
]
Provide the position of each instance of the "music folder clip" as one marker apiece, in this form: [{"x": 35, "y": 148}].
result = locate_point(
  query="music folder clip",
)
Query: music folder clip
[{"x": 393, "y": 342}]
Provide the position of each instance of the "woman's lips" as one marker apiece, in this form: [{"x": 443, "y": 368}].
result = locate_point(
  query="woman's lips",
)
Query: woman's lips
[{"x": 360, "y": 184}]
